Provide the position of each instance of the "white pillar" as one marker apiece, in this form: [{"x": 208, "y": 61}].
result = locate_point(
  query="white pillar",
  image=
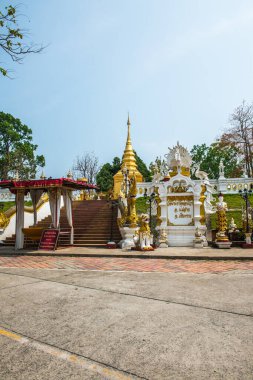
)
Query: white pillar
[
  {"x": 67, "y": 197},
  {"x": 196, "y": 205},
  {"x": 19, "y": 244}
]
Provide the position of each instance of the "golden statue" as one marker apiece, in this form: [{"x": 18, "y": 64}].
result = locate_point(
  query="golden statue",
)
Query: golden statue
[
  {"x": 202, "y": 206},
  {"x": 158, "y": 207},
  {"x": 143, "y": 237},
  {"x": 4, "y": 220},
  {"x": 221, "y": 208},
  {"x": 131, "y": 200}
]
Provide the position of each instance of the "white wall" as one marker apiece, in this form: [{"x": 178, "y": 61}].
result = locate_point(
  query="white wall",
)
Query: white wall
[{"x": 42, "y": 213}]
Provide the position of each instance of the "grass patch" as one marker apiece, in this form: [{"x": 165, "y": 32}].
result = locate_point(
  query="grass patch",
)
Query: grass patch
[
  {"x": 235, "y": 204},
  {"x": 237, "y": 215},
  {"x": 5, "y": 206},
  {"x": 142, "y": 205}
]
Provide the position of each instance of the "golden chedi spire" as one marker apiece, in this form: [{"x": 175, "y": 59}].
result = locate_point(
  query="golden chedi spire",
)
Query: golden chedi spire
[{"x": 128, "y": 162}]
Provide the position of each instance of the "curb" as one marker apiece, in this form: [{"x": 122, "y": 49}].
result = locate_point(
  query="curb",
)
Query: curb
[{"x": 128, "y": 256}]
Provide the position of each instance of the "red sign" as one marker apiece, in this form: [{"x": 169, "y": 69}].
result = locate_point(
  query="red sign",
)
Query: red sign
[{"x": 48, "y": 241}]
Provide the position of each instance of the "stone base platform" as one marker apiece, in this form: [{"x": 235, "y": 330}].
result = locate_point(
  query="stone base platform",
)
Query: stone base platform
[{"x": 223, "y": 244}]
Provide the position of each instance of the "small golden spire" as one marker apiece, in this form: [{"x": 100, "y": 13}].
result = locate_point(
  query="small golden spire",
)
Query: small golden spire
[
  {"x": 128, "y": 165},
  {"x": 128, "y": 128},
  {"x": 129, "y": 157}
]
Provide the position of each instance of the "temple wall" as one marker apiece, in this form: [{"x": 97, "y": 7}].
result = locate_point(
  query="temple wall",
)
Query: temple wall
[
  {"x": 224, "y": 185},
  {"x": 42, "y": 213}
]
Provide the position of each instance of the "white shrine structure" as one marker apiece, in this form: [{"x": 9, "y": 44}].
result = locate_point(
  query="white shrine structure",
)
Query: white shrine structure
[
  {"x": 179, "y": 200},
  {"x": 184, "y": 204}
]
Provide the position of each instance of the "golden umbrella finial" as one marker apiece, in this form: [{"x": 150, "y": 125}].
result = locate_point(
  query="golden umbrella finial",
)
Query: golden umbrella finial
[
  {"x": 128, "y": 129},
  {"x": 128, "y": 120}
]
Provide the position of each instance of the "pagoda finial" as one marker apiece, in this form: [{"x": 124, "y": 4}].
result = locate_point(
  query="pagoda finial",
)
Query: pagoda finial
[{"x": 128, "y": 128}]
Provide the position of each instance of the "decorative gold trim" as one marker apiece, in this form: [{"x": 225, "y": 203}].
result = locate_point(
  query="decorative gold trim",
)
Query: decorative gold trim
[
  {"x": 180, "y": 197},
  {"x": 159, "y": 211},
  {"x": 202, "y": 207},
  {"x": 191, "y": 223}
]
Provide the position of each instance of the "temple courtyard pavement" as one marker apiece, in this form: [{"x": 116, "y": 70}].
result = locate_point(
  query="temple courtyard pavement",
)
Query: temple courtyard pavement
[{"x": 88, "y": 314}]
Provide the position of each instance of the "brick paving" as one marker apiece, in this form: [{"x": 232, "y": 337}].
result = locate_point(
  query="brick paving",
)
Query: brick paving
[{"x": 124, "y": 264}]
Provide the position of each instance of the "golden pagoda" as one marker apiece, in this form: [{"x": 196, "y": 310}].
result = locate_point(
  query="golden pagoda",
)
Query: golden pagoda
[{"x": 128, "y": 163}]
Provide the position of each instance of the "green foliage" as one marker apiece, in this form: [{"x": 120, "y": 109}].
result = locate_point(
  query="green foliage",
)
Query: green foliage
[
  {"x": 142, "y": 205},
  {"x": 237, "y": 215},
  {"x": 105, "y": 175},
  {"x": 142, "y": 167},
  {"x": 17, "y": 152},
  {"x": 5, "y": 206},
  {"x": 116, "y": 163},
  {"x": 12, "y": 37},
  {"x": 3, "y": 71},
  {"x": 235, "y": 204},
  {"x": 234, "y": 201},
  {"x": 209, "y": 157}
]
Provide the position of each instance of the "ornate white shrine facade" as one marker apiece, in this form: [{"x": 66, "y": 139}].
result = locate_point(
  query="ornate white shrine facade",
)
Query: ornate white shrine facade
[
  {"x": 182, "y": 203},
  {"x": 180, "y": 210}
]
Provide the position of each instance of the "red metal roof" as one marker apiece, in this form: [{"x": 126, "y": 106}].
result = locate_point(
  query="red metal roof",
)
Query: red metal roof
[{"x": 46, "y": 184}]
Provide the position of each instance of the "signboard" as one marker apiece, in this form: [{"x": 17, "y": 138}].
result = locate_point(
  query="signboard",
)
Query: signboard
[
  {"x": 180, "y": 210},
  {"x": 49, "y": 238}
]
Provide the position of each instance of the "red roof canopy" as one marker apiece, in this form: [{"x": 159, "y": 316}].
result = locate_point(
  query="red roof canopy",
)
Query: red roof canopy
[{"x": 46, "y": 184}]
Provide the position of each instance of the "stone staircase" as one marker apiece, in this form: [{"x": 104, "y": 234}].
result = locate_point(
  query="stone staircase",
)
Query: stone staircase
[{"x": 92, "y": 225}]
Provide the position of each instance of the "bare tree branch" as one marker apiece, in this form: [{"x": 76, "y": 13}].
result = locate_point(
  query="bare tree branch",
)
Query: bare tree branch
[
  {"x": 240, "y": 134},
  {"x": 12, "y": 37},
  {"x": 86, "y": 166}
]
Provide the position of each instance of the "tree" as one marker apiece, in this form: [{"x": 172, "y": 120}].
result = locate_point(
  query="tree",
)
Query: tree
[
  {"x": 209, "y": 157},
  {"x": 240, "y": 134},
  {"x": 12, "y": 37},
  {"x": 86, "y": 166},
  {"x": 142, "y": 167},
  {"x": 105, "y": 177},
  {"x": 17, "y": 152},
  {"x": 106, "y": 173},
  {"x": 116, "y": 164}
]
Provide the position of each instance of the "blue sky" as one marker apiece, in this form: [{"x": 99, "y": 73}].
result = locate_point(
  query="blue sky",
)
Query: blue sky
[{"x": 179, "y": 67}]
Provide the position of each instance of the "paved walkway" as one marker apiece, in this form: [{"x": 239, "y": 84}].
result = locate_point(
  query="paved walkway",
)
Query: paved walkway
[
  {"x": 125, "y": 264},
  {"x": 97, "y": 325},
  {"x": 171, "y": 252}
]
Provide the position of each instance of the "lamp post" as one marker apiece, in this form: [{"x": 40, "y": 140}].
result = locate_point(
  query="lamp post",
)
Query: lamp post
[
  {"x": 150, "y": 200},
  {"x": 245, "y": 196},
  {"x": 113, "y": 205}
]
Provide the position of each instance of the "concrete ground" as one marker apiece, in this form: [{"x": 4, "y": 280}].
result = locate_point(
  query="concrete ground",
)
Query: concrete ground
[{"x": 75, "y": 324}]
